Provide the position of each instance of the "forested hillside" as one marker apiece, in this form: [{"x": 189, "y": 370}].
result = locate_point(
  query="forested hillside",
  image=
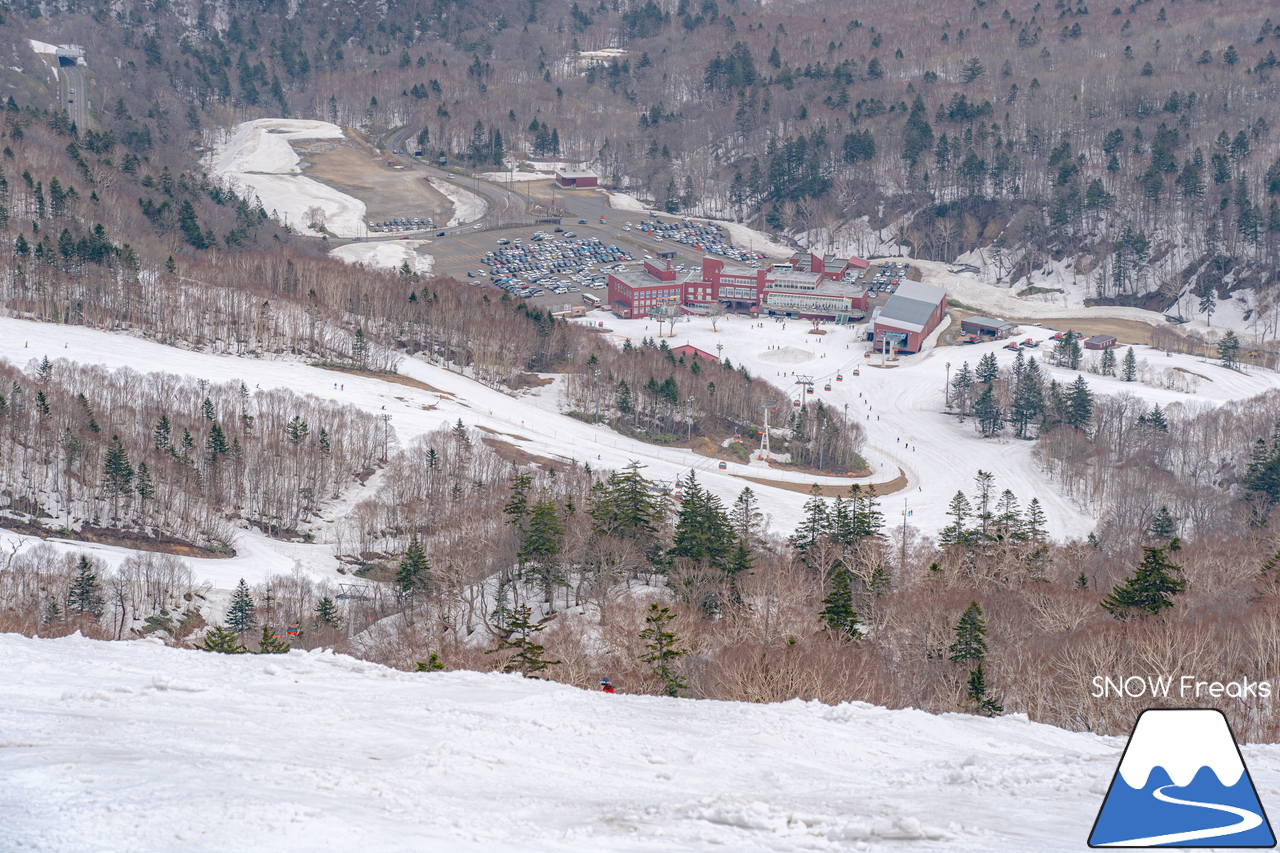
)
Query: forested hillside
[{"x": 1137, "y": 139}]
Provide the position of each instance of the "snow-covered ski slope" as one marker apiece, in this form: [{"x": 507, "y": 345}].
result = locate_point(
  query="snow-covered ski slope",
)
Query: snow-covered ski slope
[
  {"x": 257, "y": 157},
  {"x": 128, "y": 746}
]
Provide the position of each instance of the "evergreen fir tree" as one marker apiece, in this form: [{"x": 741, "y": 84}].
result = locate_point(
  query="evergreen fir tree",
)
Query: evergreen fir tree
[
  {"x": 517, "y": 508},
  {"x": 1164, "y": 526},
  {"x": 207, "y": 410},
  {"x": 838, "y": 614},
  {"x": 988, "y": 414},
  {"x": 970, "y": 632},
  {"x": 142, "y": 483},
  {"x": 1078, "y": 405},
  {"x": 1229, "y": 350},
  {"x": 414, "y": 572},
  {"x": 1151, "y": 588},
  {"x": 270, "y": 644},
  {"x": 527, "y": 659},
  {"x": 1028, "y": 403},
  {"x": 815, "y": 525},
  {"x": 327, "y": 612},
  {"x": 988, "y": 369},
  {"x": 541, "y": 546},
  {"x": 1130, "y": 365},
  {"x": 977, "y": 692},
  {"x": 956, "y": 533},
  {"x": 1034, "y": 521},
  {"x": 241, "y": 615},
  {"x": 118, "y": 473},
  {"x": 431, "y": 664},
  {"x": 220, "y": 640},
  {"x": 85, "y": 597},
  {"x": 702, "y": 529},
  {"x": 1082, "y": 581},
  {"x": 1107, "y": 366},
  {"x": 664, "y": 648}
]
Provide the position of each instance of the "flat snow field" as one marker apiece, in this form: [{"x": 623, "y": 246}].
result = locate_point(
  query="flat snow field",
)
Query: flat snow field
[
  {"x": 129, "y": 746},
  {"x": 391, "y": 254},
  {"x": 258, "y": 157}
]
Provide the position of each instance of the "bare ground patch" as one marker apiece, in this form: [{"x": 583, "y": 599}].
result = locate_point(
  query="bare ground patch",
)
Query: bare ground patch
[
  {"x": 134, "y": 540},
  {"x": 897, "y": 484},
  {"x": 509, "y": 452},
  {"x": 358, "y": 171},
  {"x": 394, "y": 378}
]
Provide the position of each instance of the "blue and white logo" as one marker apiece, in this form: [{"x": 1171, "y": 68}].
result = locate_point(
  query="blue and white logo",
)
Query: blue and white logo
[{"x": 1182, "y": 783}]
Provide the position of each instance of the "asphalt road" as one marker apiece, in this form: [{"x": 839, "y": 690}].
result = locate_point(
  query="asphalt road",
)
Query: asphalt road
[{"x": 75, "y": 97}]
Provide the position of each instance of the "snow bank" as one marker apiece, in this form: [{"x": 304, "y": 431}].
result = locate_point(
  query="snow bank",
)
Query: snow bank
[
  {"x": 467, "y": 206},
  {"x": 389, "y": 254},
  {"x": 42, "y": 47},
  {"x": 124, "y": 746},
  {"x": 787, "y": 355},
  {"x": 258, "y": 157}
]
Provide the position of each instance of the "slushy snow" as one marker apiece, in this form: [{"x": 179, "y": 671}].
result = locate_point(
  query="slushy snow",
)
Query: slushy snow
[
  {"x": 390, "y": 254},
  {"x": 258, "y": 158},
  {"x": 129, "y": 746}
]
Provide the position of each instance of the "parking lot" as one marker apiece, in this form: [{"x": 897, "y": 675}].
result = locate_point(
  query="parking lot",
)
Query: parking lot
[{"x": 551, "y": 263}]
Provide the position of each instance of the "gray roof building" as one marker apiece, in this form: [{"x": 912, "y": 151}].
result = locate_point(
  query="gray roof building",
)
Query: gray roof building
[{"x": 911, "y": 306}]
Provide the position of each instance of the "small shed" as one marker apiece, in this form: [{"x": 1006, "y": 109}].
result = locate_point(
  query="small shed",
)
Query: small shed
[
  {"x": 576, "y": 180},
  {"x": 999, "y": 329},
  {"x": 1100, "y": 342}
]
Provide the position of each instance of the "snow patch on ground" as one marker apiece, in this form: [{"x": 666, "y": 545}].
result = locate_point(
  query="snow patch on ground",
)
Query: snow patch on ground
[
  {"x": 471, "y": 762},
  {"x": 42, "y": 47},
  {"x": 467, "y": 206},
  {"x": 257, "y": 157},
  {"x": 388, "y": 254}
]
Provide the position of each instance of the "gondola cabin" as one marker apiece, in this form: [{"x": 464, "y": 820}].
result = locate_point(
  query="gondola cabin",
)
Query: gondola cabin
[
  {"x": 809, "y": 390},
  {"x": 723, "y": 466},
  {"x": 795, "y": 404},
  {"x": 857, "y": 373},
  {"x": 839, "y": 377},
  {"x": 826, "y": 387}
]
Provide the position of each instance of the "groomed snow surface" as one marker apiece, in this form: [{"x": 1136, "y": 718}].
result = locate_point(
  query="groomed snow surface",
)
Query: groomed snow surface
[
  {"x": 131, "y": 746},
  {"x": 467, "y": 206},
  {"x": 391, "y": 254},
  {"x": 257, "y": 157}
]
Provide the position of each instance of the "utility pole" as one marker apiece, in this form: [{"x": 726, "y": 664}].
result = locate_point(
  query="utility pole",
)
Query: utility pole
[
  {"x": 386, "y": 435},
  {"x": 690, "y": 438},
  {"x": 597, "y": 396},
  {"x": 904, "y": 535},
  {"x": 947, "y": 390},
  {"x": 719, "y": 347}
]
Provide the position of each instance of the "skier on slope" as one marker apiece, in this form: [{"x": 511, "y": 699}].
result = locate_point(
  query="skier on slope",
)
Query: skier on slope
[{"x": 606, "y": 685}]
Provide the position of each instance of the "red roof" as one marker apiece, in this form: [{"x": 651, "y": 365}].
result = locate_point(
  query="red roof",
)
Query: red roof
[{"x": 690, "y": 350}]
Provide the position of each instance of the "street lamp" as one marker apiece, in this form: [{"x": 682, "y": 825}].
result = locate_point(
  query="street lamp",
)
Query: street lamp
[
  {"x": 947, "y": 390},
  {"x": 690, "y": 439}
]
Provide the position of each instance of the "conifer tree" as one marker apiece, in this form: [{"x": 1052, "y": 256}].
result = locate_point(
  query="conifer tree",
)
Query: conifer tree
[
  {"x": 1229, "y": 350},
  {"x": 527, "y": 659},
  {"x": 85, "y": 597},
  {"x": 241, "y": 615},
  {"x": 327, "y": 612},
  {"x": 1028, "y": 403},
  {"x": 988, "y": 414},
  {"x": 1163, "y": 525},
  {"x": 838, "y": 614},
  {"x": 431, "y": 664},
  {"x": 219, "y": 639},
  {"x": 956, "y": 533},
  {"x": 117, "y": 472},
  {"x": 1107, "y": 366},
  {"x": 702, "y": 529},
  {"x": 270, "y": 644},
  {"x": 1078, "y": 405},
  {"x": 815, "y": 525},
  {"x": 988, "y": 369},
  {"x": 970, "y": 635},
  {"x": 142, "y": 483},
  {"x": 414, "y": 572},
  {"x": 977, "y": 692},
  {"x": 664, "y": 648},
  {"x": 1152, "y": 587},
  {"x": 1130, "y": 365},
  {"x": 541, "y": 546}
]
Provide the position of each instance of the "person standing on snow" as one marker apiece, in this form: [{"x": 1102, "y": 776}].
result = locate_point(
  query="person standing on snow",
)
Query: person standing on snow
[{"x": 606, "y": 685}]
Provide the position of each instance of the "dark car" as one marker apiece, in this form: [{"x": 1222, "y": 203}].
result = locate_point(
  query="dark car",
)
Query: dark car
[
  {"x": 582, "y": 222},
  {"x": 439, "y": 233}
]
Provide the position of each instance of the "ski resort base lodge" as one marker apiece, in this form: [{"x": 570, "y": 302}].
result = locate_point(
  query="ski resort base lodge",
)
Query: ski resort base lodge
[
  {"x": 912, "y": 312},
  {"x": 809, "y": 287}
]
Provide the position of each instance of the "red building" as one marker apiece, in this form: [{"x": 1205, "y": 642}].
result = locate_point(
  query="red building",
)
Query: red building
[
  {"x": 912, "y": 312},
  {"x": 812, "y": 287},
  {"x": 690, "y": 351},
  {"x": 576, "y": 180}
]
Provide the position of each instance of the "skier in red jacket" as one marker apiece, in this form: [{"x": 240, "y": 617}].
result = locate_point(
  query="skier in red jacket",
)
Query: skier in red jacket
[{"x": 606, "y": 685}]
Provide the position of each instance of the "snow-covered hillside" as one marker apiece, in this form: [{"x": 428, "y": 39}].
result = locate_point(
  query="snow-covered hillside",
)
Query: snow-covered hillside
[
  {"x": 258, "y": 158},
  {"x": 134, "y": 746}
]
